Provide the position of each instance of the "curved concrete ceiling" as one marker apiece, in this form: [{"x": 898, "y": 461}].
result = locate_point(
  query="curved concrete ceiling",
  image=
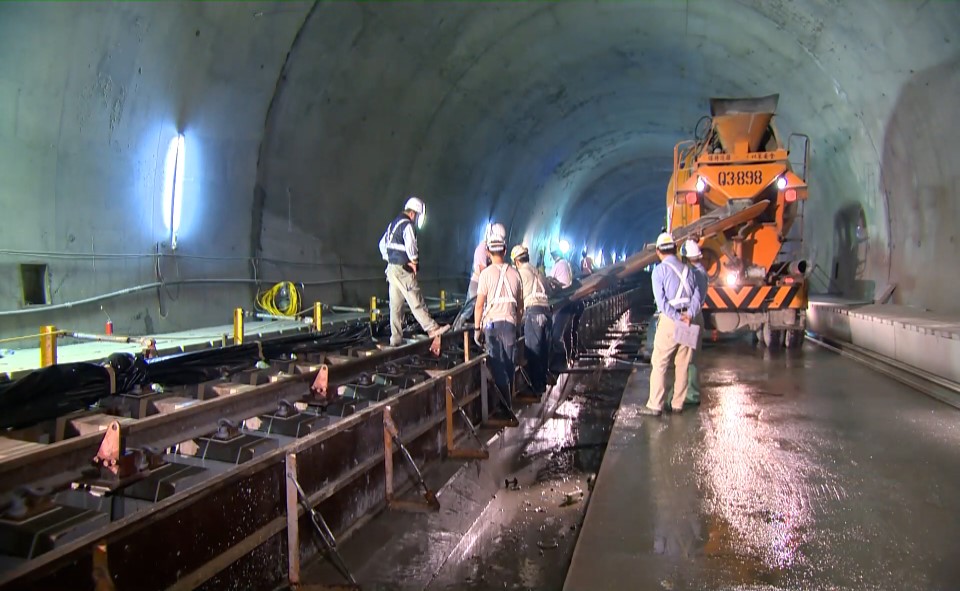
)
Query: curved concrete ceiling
[
  {"x": 560, "y": 119},
  {"x": 308, "y": 124}
]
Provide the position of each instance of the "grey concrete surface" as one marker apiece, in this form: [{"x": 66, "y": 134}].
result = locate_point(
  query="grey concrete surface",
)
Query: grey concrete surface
[
  {"x": 307, "y": 124},
  {"x": 799, "y": 471}
]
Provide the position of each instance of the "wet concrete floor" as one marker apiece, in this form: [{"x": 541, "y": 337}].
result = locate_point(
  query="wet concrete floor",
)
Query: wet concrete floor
[
  {"x": 509, "y": 522},
  {"x": 800, "y": 470}
]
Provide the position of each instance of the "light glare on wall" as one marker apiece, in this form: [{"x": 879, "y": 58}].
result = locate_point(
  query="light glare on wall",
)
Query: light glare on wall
[{"x": 173, "y": 187}]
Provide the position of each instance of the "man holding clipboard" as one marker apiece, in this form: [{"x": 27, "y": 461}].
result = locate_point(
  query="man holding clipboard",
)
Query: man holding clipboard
[{"x": 679, "y": 300}]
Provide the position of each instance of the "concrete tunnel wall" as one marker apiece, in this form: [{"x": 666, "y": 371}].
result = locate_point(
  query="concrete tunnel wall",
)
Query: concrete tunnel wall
[{"x": 306, "y": 126}]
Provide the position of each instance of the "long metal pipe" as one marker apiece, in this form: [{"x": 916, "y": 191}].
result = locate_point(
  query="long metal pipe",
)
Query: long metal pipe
[{"x": 158, "y": 284}]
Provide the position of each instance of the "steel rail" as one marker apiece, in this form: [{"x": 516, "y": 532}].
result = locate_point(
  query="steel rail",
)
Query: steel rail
[
  {"x": 47, "y": 465},
  {"x": 72, "y": 552}
]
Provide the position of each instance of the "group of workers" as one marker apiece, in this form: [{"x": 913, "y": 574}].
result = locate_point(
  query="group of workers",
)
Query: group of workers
[
  {"x": 679, "y": 288},
  {"x": 505, "y": 299}
]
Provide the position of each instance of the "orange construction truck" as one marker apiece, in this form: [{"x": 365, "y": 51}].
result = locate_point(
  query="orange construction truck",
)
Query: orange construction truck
[{"x": 739, "y": 162}]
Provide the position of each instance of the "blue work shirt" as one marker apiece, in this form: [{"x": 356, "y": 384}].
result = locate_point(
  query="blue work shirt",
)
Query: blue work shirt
[
  {"x": 701, "y": 276},
  {"x": 666, "y": 283}
]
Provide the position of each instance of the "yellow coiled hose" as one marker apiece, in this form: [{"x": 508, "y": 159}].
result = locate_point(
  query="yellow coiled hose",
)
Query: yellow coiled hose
[{"x": 267, "y": 300}]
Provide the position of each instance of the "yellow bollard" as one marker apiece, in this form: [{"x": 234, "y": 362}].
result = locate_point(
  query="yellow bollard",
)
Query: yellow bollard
[
  {"x": 238, "y": 326},
  {"x": 317, "y": 317},
  {"x": 48, "y": 346},
  {"x": 443, "y": 300},
  {"x": 373, "y": 308}
]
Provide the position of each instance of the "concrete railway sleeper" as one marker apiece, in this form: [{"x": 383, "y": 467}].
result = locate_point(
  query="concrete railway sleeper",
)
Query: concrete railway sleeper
[{"x": 239, "y": 525}]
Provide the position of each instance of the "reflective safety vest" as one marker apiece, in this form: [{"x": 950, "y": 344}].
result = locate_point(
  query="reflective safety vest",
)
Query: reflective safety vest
[
  {"x": 539, "y": 295},
  {"x": 499, "y": 297},
  {"x": 684, "y": 293},
  {"x": 396, "y": 249}
]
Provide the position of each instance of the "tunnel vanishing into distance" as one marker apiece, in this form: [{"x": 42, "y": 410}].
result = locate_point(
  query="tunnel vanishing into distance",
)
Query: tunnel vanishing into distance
[{"x": 305, "y": 126}]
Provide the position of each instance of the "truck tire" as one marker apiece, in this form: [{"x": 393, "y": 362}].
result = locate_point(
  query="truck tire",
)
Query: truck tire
[
  {"x": 772, "y": 339},
  {"x": 794, "y": 338}
]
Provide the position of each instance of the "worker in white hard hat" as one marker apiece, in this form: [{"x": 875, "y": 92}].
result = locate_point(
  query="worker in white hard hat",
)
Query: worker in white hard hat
[
  {"x": 678, "y": 301},
  {"x": 481, "y": 258},
  {"x": 398, "y": 247},
  {"x": 497, "y": 315},
  {"x": 537, "y": 319},
  {"x": 562, "y": 273},
  {"x": 691, "y": 253}
]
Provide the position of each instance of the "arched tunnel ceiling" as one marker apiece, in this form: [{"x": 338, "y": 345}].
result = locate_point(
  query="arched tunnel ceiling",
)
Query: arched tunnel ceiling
[
  {"x": 308, "y": 124},
  {"x": 560, "y": 119}
]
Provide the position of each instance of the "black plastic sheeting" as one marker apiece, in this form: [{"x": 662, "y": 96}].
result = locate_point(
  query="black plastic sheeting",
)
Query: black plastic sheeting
[{"x": 48, "y": 393}]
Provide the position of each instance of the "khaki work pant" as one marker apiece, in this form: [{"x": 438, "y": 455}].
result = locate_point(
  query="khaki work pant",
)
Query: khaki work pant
[
  {"x": 404, "y": 288},
  {"x": 665, "y": 349}
]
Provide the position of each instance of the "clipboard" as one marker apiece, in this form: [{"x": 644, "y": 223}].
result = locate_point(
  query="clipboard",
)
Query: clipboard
[{"x": 687, "y": 335}]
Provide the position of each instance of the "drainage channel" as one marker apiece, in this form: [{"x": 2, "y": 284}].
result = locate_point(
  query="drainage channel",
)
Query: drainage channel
[{"x": 509, "y": 522}]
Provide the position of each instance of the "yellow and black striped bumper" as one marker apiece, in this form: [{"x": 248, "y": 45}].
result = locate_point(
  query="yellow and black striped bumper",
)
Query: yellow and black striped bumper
[{"x": 757, "y": 297}]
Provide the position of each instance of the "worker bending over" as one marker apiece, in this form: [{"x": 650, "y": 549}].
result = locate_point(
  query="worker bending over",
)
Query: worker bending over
[
  {"x": 678, "y": 300},
  {"x": 497, "y": 315},
  {"x": 561, "y": 272},
  {"x": 694, "y": 257},
  {"x": 398, "y": 247},
  {"x": 537, "y": 321},
  {"x": 481, "y": 258}
]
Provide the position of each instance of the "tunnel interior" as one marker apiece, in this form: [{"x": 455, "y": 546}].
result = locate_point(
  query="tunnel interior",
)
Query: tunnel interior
[{"x": 304, "y": 126}]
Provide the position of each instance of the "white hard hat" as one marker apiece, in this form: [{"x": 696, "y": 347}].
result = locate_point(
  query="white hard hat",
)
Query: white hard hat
[
  {"x": 497, "y": 238},
  {"x": 497, "y": 230},
  {"x": 665, "y": 241},
  {"x": 415, "y": 204},
  {"x": 519, "y": 251},
  {"x": 691, "y": 249}
]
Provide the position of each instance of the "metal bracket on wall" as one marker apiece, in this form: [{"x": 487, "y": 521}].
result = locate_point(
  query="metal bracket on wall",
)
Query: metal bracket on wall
[
  {"x": 391, "y": 437},
  {"x": 452, "y": 450},
  {"x": 486, "y": 383},
  {"x": 297, "y": 497}
]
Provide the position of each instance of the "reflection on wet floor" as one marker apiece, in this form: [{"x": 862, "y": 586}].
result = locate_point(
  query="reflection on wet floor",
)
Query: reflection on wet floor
[
  {"x": 526, "y": 535},
  {"x": 800, "y": 470}
]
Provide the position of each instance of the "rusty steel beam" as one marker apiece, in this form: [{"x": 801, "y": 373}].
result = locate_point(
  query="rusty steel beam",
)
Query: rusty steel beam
[{"x": 54, "y": 463}]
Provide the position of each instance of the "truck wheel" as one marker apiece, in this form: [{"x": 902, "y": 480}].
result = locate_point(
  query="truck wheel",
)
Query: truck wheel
[
  {"x": 794, "y": 338},
  {"x": 772, "y": 339}
]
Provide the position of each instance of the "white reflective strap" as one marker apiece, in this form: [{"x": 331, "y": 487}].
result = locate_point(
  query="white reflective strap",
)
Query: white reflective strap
[
  {"x": 497, "y": 297},
  {"x": 539, "y": 295},
  {"x": 391, "y": 232},
  {"x": 680, "y": 298}
]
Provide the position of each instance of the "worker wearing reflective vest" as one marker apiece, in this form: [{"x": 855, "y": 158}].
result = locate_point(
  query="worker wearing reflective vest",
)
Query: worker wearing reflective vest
[
  {"x": 481, "y": 258},
  {"x": 678, "y": 300},
  {"x": 694, "y": 257},
  {"x": 497, "y": 315},
  {"x": 537, "y": 320},
  {"x": 398, "y": 247}
]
